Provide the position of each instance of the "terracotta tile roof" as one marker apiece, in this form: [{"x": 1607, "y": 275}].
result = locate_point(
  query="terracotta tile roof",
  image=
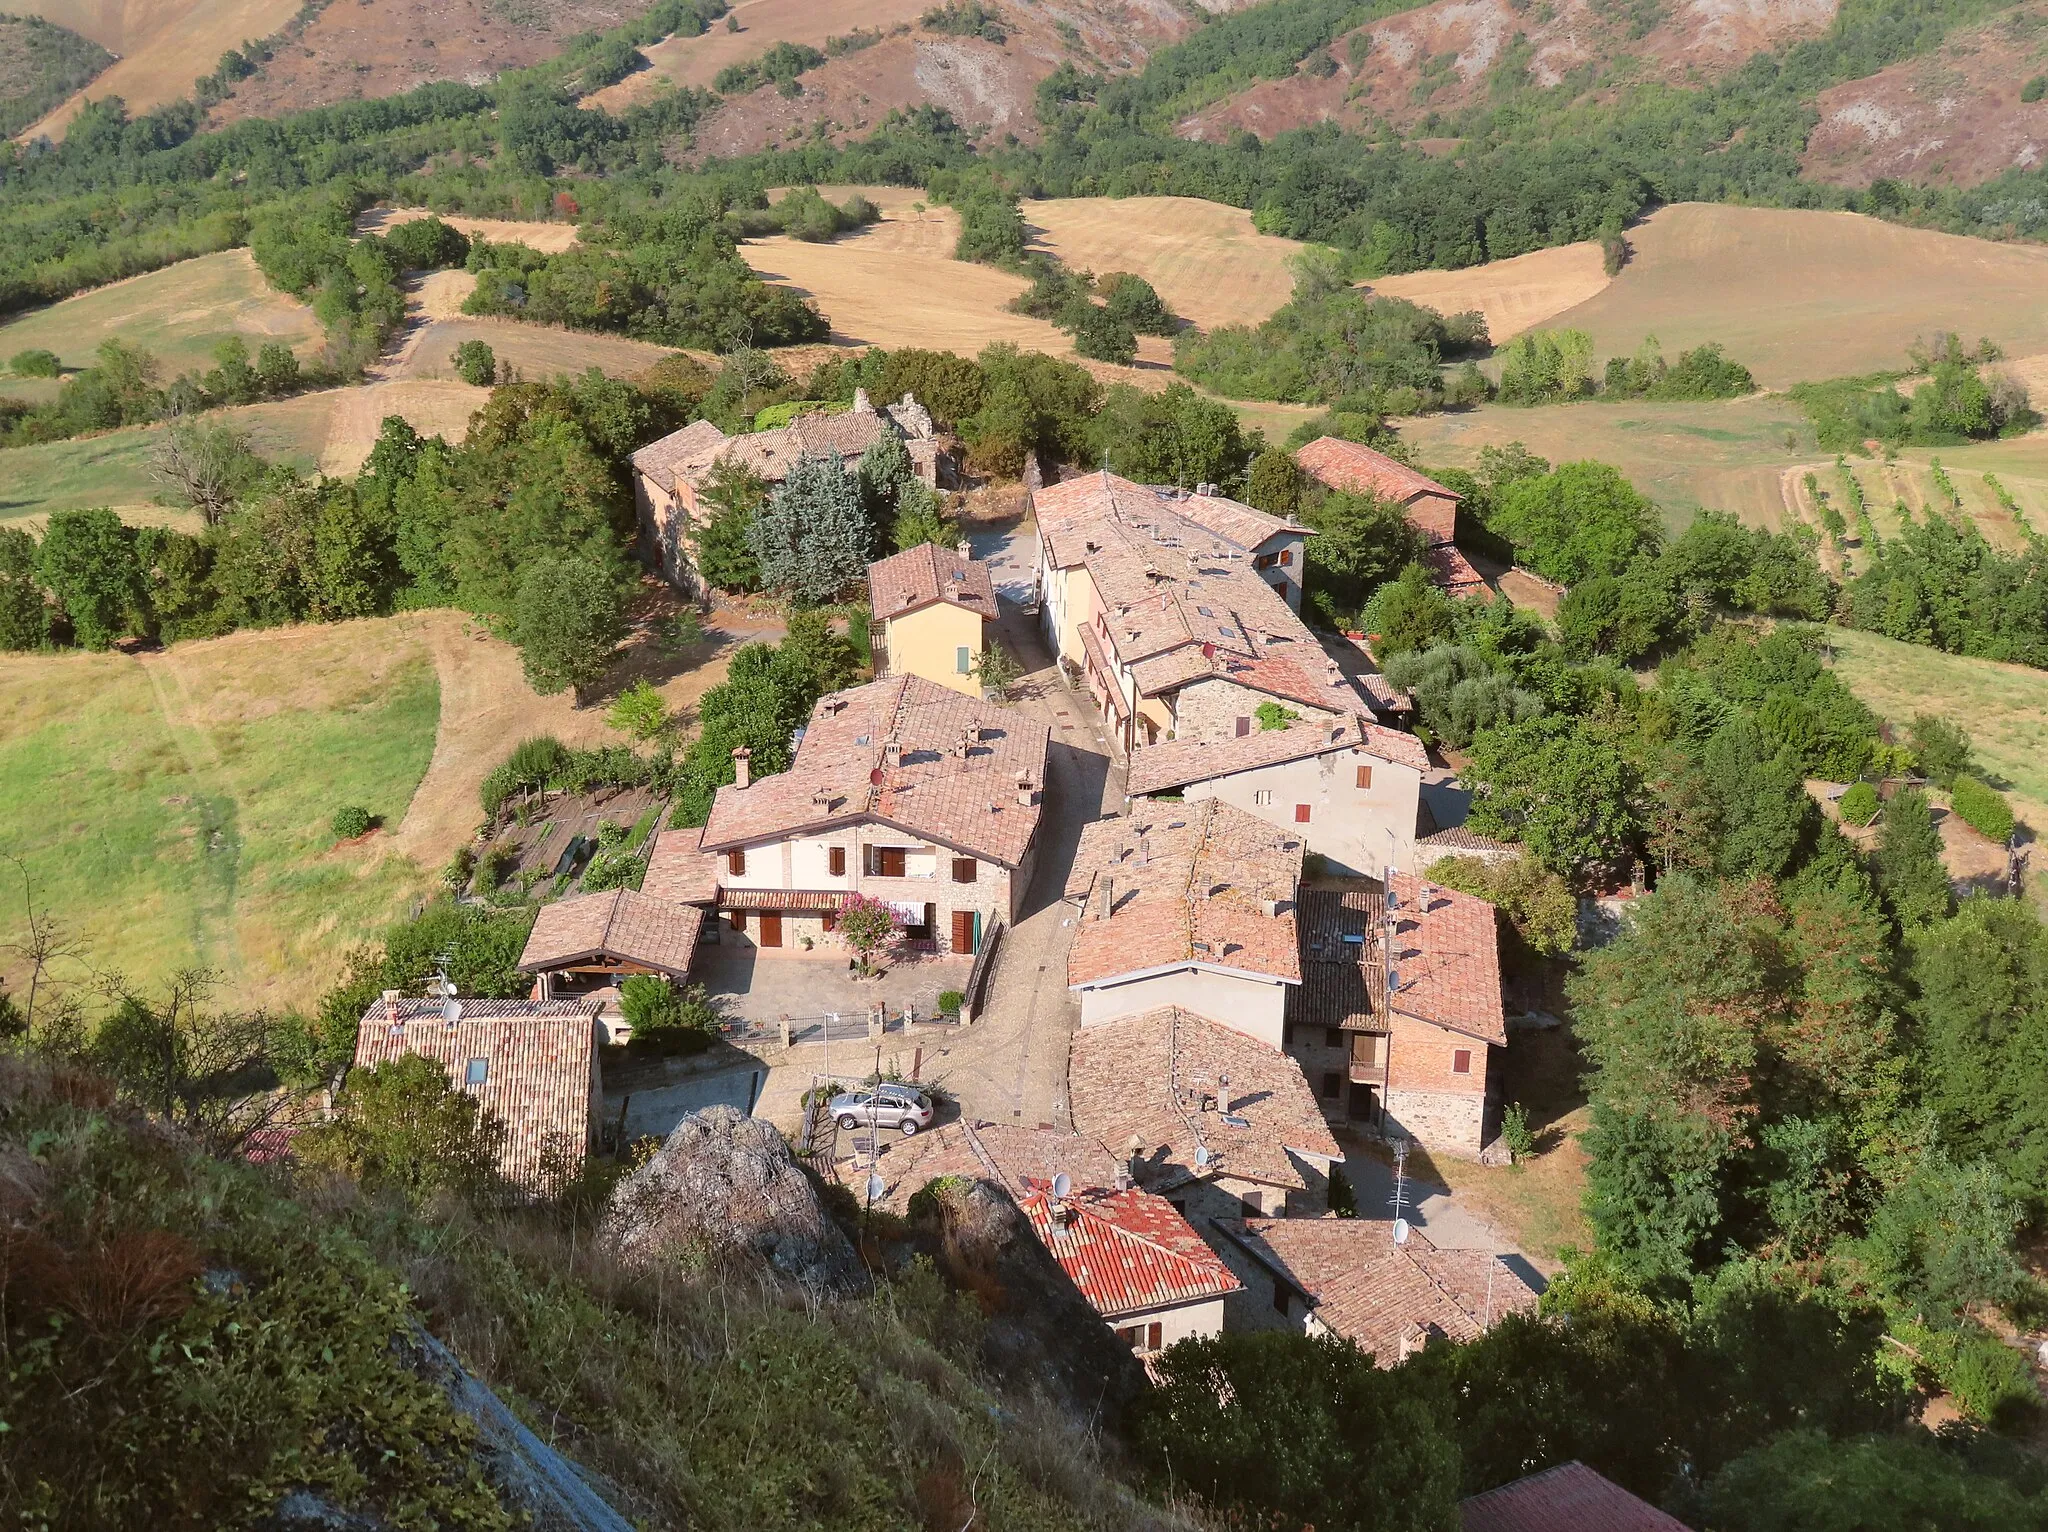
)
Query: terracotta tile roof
[
  {"x": 1452, "y": 571},
  {"x": 844, "y": 772},
  {"x": 779, "y": 899},
  {"x": 1129, "y": 1252},
  {"x": 1187, "y": 883},
  {"x": 1015, "y": 1157},
  {"x": 681, "y": 455},
  {"x": 1358, "y": 470},
  {"x": 1341, "y": 982},
  {"x": 622, "y": 924},
  {"x": 1181, "y": 598},
  {"x": 1447, "y": 953},
  {"x": 1376, "y": 1293},
  {"x": 1242, "y": 525},
  {"x": 690, "y": 454},
  {"x": 1458, "y": 839},
  {"x": 918, "y": 577},
  {"x": 540, "y": 1075},
  {"x": 1568, "y": 1498},
  {"x": 679, "y": 870},
  {"x": 1155, "y": 1076},
  {"x": 1384, "y": 696},
  {"x": 1177, "y": 762}
]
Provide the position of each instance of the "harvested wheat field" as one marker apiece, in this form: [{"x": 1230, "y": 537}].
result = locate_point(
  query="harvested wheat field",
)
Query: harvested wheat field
[
  {"x": 1796, "y": 296},
  {"x": 535, "y": 351},
  {"x": 178, "y": 315},
  {"x": 430, "y": 408},
  {"x": 162, "y": 46},
  {"x": 1515, "y": 295},
  {"x": 763, "y": 23},
  {"x": 549, "y": 238},
  {"x": 1207, "y": 261}
]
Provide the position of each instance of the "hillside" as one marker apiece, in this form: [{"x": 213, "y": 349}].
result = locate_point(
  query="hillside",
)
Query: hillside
[{"x": 40, "y": 65}]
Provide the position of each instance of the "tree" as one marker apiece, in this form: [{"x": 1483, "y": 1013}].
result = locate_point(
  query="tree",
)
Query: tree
[
  {"x": 1361, "y": 543},
  {"x": 1909, "y": 869},
  {"x": 920, "y": 520},
  {"x": 1276, "y": 484},
  {"x": 475, "y": 363},
  {"x": 1582, "y": 519},
  {"x": 204, "y": 1071},
  {"x": 994, "y": 670},
  {"x": 813, "y": 537},
  {"x": 1803, "y": 1481},
  {"x": 568, "y": 619},
  {"x": 665, "y": 1016},
  {"x": 639, "y": 711},
  {"x": 1557, "y": 786},
  {"x": 1941, "y": 750},
  {"x": 866, "y": 925},
  {"x": 87, "y": 561},
  {"x": 401, "y": 1125},
  {"x": 1100, "y": 335},
  {"x": 208, "y": 467},
  {"x": 1408, "y": 612},
  {"x": 1942, "y": 1238},
  {"x": 1134, "y": 302},
  {"x": 24, "y": 614},
  {"x": 1292, "y": 1430},
  {"x": 725, "y": 553}
]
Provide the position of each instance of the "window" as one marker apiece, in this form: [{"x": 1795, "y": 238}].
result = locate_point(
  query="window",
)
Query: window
[
  {"x": 1301, "y": 813},
  {"x": 963, "y": 869},
  {"x": 1260, "y": 561},
  {"x": 962, "y": 660},
  {"x": 1461, "y": 1061},
  {"x": 829, "y": 921},
  {"x": 479, "y": 1071},
  {"x": 1152, "y": 1336},
  {"x": 1364, "y": 777},
  {"x": 1333, "y": 1037},
  {"x": 1333, "y": 1084},
  {"x": 1244, "y": 727},
  {"x": 835, "y": 861},
  {"x": 1262, "y": 798},
  {"x": 1279, "y": 1298},
  {"x": 736, "y": 863},
  {"x": 886, "y": 861}
]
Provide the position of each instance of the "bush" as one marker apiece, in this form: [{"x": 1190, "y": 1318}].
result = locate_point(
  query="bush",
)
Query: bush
[
  {"x": 456, "y": 875},
  {"x": 2034, "y": 89},
  {"x": 349, "y": 822},
  {"x": 950, "y": 1001},
  {"x": 1982, "y": 808},
  {"x": 1859, "y": 804},
  {"x": 35, "y": 363},
  {"x": 667, "y": 1018},
  {"x": 1515, "y": 1132},
  {"x": 475, "y": 363}
]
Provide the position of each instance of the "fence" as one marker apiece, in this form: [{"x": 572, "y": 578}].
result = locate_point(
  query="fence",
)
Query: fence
[
  {"x": 836, "y": 1027},
  {"x": 984, "y": 965}
]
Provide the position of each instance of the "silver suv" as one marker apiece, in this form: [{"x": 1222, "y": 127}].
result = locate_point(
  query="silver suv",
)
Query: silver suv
[{"x": 886, "y": 1106}]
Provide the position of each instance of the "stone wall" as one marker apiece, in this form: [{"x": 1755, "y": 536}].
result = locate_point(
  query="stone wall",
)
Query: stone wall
[
  {"x": 1210, "y": 709},
  {"x": 1452, "y": 1121}
]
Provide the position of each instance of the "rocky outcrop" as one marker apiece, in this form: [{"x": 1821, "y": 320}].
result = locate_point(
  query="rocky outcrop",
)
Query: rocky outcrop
[{"x": 725, "y": 1186}]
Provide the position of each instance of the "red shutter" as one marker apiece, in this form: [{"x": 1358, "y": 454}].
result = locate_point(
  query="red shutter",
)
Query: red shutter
[
  {"x": 736, "y": 863},
  {"x": 1301, "y": 813},
  {"x": 1244, "y": 727},
  {"x": 1461, "y": 1061},
  {"x": 1365, "y": 776}
]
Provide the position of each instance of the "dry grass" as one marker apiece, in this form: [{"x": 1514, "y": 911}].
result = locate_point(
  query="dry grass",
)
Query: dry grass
[
  {"x": 432, "y": 409},
  {"x": 1515, "y": 295},
  {"x": 1207, "y": 261},
  {"x": 162, "y": 46},
  {"x": 549, "y": 238},
  {"x": 537, "y": 351},
  {"x": 1796, "y": 296},
  {"x": 178, "y": 315},
  {"x": 763, "y": 23}
]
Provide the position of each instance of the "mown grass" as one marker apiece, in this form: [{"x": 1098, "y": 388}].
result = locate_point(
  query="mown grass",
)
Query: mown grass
[{"x": 174, "y": 810}]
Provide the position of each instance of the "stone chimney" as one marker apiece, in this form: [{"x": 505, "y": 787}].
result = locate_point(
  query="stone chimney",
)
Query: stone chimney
[
  {"x": 1023, "y": 790},
  {"x": 742, "y": 768},
  {"x": 892, "y": 752},
  {"x": 862, "y": 405},
  {"x": 965, "y": 551},
  {"x": 1108, "y": 897},
  {"x": 391, "y": 1007}
]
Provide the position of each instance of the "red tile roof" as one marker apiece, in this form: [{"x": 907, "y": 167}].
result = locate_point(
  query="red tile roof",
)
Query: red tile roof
[
  {"x": 1446, "y": 951},
  {"x": 1460, "y": 841},
  {"x": 1156, "y": 1076},
  {"x": 622, "y": 924},
  {"x": 1567, "y": 1498},
  {"x": 1185, "y": 883},
  {"x": 1358, "y": 470},
  {"x": 922, "y": 576},
  {"x": 540, "y": 1067},
  {"x": 1452, "y": 571},
  {"x": 1177, "y": 762},
  {"x": 679, "y": 870},
  {"x": 844, "y": 773},
  {"x": 1129, "y": 1252}
]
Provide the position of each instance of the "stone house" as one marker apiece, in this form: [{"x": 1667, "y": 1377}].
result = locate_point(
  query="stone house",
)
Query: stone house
[
  {"x": 1431, "y": 508},
  {"x": 1178, "y": 611},
  {"x": 933, "y": 608},
  {"x": 1351, "y": 789},
  {"x": 669, "y": 475},
  {"x": 902, "y": 790}
]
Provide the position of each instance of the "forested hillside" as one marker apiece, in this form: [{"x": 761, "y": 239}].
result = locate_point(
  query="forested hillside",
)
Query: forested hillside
[{"x": 40, "y": 65}]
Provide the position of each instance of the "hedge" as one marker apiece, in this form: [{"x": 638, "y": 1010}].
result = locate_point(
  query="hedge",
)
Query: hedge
[{"x": 1982, "y": 808}]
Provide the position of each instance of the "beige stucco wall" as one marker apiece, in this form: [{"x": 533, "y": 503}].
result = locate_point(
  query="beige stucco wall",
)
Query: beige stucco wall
[
  {"x": 1210, "y": 709},
  {"x": 928, "y": 643},
  {"x": 1254, "y": 1007},
  {"x": 1180, "y": 1323},
  {"x": 1355, "y": 828},
  {"x": 802, "y": 862}
]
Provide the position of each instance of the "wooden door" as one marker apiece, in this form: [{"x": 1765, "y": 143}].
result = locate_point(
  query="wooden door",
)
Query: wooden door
[
  {"x": 963, "y": 931},
  {"x": 771, "y": 928}
]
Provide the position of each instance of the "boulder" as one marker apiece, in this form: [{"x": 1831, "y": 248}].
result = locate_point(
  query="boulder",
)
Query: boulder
[{"x": 726, "y": 1185}]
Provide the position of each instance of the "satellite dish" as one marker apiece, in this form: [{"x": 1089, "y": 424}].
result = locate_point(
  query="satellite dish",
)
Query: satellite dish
[
  {"x": 1062, "y": 1185},
  {"x": 876, "y": 1186},
  {"x": 877, "y": 777},
  {"x": 1393, "y": 980},
  {"x": 1400, "y": 1231},
  {"x": 451, "y": 1010},
  {"x": 1202, "y": 1156}
]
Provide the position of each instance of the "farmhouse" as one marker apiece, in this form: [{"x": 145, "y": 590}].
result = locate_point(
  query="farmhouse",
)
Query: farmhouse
[
  {"x": 532, "y": 1064},
  {"x": 1178, "y": 612},
  {"x": 1215, "y": 1121},
  {"x": 1431, "y": 508},
  {"x": 1398, "y": 1014},
  {"x": 669, "y": 475},
  {"x": 1351, "y": 789},
  {"x": 585, "y": 946},
  {"x": 901, "y": 790},
  {"x": 1347, "y": 1277},
  {"x": 933, "y": 607}
]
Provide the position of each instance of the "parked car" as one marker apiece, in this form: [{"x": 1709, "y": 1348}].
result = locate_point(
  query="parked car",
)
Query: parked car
[{"x": 886, "y": 1106}]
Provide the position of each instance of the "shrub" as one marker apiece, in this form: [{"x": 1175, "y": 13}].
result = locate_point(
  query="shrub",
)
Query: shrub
[
  {"x": 1982, "y": 808},
  {"x": 1272, "y": 715},
  {"x": 460, "y": 866},
  {"x": 1343, "y": 1199},
  {"x": 664, "y": 1017},
  {"x": 1515, "y": 1131},
  {"x": 1859, "y": 804},
  {"x": 35, "y": 363},
  {"x": 497, "y": 861},
  {"x": 950, "y": 1001},
  {"x": 350, "y": 821},
  {"x": 2034, "y": 89},
  {"x": 475, "y": 363}
]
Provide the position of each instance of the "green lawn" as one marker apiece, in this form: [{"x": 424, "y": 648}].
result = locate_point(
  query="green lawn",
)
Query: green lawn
[{"x": 174, "y": 811}]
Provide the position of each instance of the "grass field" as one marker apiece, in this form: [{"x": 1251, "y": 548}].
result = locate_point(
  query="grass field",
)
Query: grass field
[
  {"x": 537, "y": 351},
  {"x": 546, "y": 237},
  {"x": 1515, "y": 295},
  {"x": 432, "y": 409},
  {"x": 113, "y": 468},
  {"x": 178, "y": 315},
  {"x": 161, "y": 46},
  {"x": 173, "y": 810},
  {"x": 1796, "y": 296},
  {"x": 1207, "y": 261},
  {"x": 763, "y": 23}
]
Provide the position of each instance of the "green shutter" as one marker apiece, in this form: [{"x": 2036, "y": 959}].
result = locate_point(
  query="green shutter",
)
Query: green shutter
[{"x": 962, "y": 661}]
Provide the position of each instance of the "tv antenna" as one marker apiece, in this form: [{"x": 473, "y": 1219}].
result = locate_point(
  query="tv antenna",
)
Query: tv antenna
[{"x": 1400, "y": 1146}]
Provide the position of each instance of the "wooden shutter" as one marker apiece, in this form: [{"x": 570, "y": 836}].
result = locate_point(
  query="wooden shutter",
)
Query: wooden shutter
[
  {"x": 1301, "y": 813},
  {"x": 1244, "y": 727},
  {"x": 1152, "y": 1336},
  {"x": 1365, "y": 776},
  {"x": 1461, "y": 1061},
  {"x": 963, "y": 869},
  {"x": 736, "y": 863},
  {"x": 835, "y": 861},
  {"x": 963, "y": 931}
]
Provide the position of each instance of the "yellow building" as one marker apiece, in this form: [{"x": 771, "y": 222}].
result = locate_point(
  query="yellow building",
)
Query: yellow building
[{"x": 932, "y": 610}]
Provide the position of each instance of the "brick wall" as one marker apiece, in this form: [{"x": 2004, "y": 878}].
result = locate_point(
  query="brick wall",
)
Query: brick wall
[
  {"x": 1422, "y": 1056},
  {"x": 1210, "y": 709}
]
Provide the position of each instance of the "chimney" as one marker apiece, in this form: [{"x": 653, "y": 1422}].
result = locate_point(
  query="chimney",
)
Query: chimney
[
  {"x": 1023, "y": 790},
  {"x": 862, "y": 405},
  {"x": 391, "y": 1007},
  {"x": 1108, "y": 897},
  {"x": 742, "y": 767},
  {"x": 1144, "y": 850},
  {"x": 964, "y": 550},
  {"x": 892, "y": 752}
]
